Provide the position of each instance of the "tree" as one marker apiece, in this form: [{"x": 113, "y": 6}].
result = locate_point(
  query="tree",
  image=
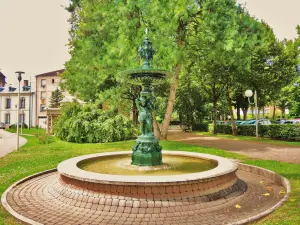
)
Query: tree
[
  {"x": 225, "y": 36},
  {"x": 108, "y": 34},
  {"x": 56, "y": 98},
  {"x": 191, "y": 100}
]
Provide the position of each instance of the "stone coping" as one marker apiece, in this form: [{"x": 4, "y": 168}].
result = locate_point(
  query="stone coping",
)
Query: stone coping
[{"x": 70, "y": 169}]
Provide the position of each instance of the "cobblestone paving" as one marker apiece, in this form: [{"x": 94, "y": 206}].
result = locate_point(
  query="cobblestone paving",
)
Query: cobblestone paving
[{"x": 41, "y": 200}]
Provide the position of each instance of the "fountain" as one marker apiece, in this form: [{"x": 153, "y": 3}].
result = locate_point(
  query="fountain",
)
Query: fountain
[
  {"x": 180, "y": 188},
  {"x": 147, "y": 151}
]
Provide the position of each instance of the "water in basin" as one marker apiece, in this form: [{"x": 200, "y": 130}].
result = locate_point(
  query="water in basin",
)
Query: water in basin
[{"x": 173, "y": 165}]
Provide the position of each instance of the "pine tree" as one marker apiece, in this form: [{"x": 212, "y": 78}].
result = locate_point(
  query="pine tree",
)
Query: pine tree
[{"x": 56, "y": 98}]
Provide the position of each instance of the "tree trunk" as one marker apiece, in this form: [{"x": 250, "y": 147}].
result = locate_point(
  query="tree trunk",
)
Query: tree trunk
[
  {"x": 156, "y": 129},
  {"x": 172, "y": 96},
  {"x": 215, "y": 116},
  {"x": 245, "y": 113},
  {"x": 238, "y": 112},
  {"x": 135, "y": 113},
  {"x": 274, "y": 112},
  {"x": 258, "y": 113},
  {"x": 229, "y": 103},
  {"x": 263, "y": 112}
]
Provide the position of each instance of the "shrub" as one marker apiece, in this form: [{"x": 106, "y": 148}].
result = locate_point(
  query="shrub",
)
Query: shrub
[
  {"x": 14, "y": 126},
  {"x": 224, "y": 129},
  {"x": 44, "y": 138},
  {"x": 93, "y": 125},
  {"x": 287, "y": 132},
  {"x": 203, "y": 126}
]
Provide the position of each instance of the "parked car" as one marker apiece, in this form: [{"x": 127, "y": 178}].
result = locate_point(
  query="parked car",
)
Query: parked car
[
  {"x": 248, "y": 122},
  {"x": 237, "y": 122},
  {"x": 260, "y": 122},
  {"x": 2, "y": 126},
  {"x": 291, "y": 122}
]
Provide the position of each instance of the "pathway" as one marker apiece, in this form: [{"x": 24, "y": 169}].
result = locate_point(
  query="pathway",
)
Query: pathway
[
  {"x": 8, "y": 142},
  {"x": 252, "y": 149}
]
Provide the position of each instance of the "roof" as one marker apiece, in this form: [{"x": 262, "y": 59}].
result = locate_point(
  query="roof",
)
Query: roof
[
  {"x": 52, "y": 73},
  {"x": 1, "y": 74}
]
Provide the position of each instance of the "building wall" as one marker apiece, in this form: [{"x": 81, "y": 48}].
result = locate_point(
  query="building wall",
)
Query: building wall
[
  {"x": 52, "y": 82},
  {"x": 14, "y": 103}
]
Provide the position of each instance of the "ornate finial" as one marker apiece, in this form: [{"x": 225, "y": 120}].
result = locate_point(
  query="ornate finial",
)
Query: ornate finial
[{"x": 146, "y": 50}]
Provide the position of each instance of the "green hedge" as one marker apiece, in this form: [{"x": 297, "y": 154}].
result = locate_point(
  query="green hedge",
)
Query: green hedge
[
  {"x": 287, "y": 132},
  {"x": 203, "y": 126}
]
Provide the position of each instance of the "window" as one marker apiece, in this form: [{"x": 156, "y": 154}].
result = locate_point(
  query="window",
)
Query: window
[
  {"x": 7, "y": 118},
  {"x": 43, "y": 106},
  {"x": 8, "y": 103},
  {"x": 43, "y": 97},
  {"x": 43, "y": 94},
  {"x": 22, "y": 118},
  {"x": 22, "y": 103},
  {"x": 52, "y": 81},
  {"x": 43, "y": 83}
]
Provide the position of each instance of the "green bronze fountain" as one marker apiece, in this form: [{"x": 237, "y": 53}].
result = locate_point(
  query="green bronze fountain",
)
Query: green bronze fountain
[{"x": 146, "y": 151}]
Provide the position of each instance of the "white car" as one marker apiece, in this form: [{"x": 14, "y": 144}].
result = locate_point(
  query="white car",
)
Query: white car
[{"x": 291, "y": 122}]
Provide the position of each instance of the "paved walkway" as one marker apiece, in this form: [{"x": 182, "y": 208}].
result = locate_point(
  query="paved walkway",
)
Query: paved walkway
[
  {"x": 8, "y": 142},
  {"x": 253, "y": 149}
]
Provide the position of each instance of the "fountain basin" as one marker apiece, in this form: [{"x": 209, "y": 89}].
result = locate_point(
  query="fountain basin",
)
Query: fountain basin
[
  {"x": 57, "y": 199},
  {"x": 140, "y": 76},
  {"x": 220, "y": 179}
]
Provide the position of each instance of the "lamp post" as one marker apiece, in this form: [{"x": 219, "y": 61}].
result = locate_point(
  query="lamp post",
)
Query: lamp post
[
  {"x": 249, "y": 94},
  {"x": 19, "y": 77}
]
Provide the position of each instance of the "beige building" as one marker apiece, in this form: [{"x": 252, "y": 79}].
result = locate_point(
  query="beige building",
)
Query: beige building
[{"x": 46, "y": 83}]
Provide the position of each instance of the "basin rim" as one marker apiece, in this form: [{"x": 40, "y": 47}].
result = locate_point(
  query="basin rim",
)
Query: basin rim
[{"x": 69, "y": 168}]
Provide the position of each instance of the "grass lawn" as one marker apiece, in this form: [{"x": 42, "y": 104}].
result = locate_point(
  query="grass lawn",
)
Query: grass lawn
[
  {"x": 34, "y": 157},
  {"x": 250, "y": 138}
]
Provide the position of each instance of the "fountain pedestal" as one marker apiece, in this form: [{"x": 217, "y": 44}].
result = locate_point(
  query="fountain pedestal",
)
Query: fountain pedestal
[{"x": 146, "y": 152}]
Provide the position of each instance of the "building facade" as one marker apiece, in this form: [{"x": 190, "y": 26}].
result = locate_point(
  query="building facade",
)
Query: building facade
[
  {"x": 9, "y": 105},
  {"x": 46, "y": 83}
]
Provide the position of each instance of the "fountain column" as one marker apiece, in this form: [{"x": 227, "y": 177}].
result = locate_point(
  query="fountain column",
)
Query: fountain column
[{"x": 146, "y": 151}]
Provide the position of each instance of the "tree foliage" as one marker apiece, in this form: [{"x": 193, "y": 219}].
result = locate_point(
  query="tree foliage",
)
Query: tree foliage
[
  {"x": 56, "y": 98},
  {"x": 93, "y": 125}
]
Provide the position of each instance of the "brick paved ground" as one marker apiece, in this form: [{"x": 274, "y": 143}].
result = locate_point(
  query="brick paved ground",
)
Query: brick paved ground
[
  {"x": 43, "y": 199},
  {"x": 8, "y": 142},
  {"x": 253, "y": 149}
]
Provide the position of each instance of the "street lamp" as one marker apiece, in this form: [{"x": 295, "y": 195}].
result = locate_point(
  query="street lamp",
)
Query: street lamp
[
  {"x": 249, "y": 94},
  {"x": 19, "y": 77}
]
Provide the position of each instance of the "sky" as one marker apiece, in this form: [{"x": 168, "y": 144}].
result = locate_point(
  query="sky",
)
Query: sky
[{"x": 34, "y": 33}]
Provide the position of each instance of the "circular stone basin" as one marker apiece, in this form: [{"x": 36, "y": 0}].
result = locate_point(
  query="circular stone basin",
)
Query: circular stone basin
[
  {"x": 201, "y": 168},
  {"x": 121, "y": 165},
  {"x": 72, "y": 195}
]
